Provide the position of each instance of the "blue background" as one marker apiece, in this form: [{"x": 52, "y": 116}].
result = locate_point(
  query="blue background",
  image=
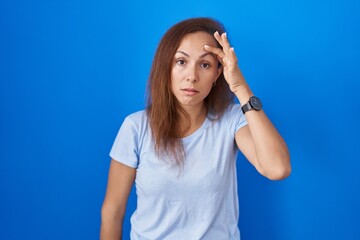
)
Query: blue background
[{"x": 71, "y": 71}]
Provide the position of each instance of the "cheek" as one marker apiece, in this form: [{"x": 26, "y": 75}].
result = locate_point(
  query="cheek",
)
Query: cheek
[
  {"x": 211, "y": 76},
  {"x": 172, "y": 85},
  {"x": 175, "y": 74},
  {"x": 174, "y": 82}
]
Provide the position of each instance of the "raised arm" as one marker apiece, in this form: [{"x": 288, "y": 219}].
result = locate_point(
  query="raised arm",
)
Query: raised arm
[
  {"x": 260, "y": 142},
  {"x": 120, "y": 181},
  {"x": 263, "y": 146}
]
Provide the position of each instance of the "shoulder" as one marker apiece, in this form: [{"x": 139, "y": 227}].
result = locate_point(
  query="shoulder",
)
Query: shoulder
[
  {"x": 234, "y": 109},
  {"x": 234, "y": 117},
  {"x": 134, "y": 121},
  {"x": 137, "y": 123},
  {"x": 228, "y": 111},
  {"x": 137, "y": 117}
]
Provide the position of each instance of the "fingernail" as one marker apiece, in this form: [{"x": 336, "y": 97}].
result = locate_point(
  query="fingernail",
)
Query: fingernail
[{"x": 206, "y": 46}]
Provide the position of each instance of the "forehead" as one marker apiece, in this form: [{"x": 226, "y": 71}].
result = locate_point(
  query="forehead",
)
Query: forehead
[{"x": 197, "y": 40}]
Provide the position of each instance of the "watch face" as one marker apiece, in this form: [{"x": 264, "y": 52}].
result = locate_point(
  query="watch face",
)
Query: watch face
[{"x": 255, "y": 103}]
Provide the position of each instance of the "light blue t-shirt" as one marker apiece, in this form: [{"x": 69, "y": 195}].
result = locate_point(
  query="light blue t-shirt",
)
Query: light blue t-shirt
[{"x": 199, "y": 202}]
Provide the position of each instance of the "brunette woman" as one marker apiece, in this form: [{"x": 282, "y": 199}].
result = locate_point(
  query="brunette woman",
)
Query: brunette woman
[{"x": 181, "y": 151}]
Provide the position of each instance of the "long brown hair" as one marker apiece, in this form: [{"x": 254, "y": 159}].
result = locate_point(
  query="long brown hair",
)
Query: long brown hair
[{"x": 163, "y": 109}]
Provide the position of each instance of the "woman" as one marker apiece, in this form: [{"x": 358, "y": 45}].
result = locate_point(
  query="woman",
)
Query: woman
[{"x": 181, "y": 151}]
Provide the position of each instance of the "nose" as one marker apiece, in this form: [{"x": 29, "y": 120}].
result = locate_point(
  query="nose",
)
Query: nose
[{"x": 192, "y": 74}]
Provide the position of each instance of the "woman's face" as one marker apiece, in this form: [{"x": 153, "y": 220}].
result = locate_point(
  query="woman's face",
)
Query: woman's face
[{"x": 194, "y": 70}]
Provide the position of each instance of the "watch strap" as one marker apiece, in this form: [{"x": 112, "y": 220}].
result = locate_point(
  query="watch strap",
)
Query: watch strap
[
  {"x": 246, "y": 107},
  {"x": 254, "y": 103}
]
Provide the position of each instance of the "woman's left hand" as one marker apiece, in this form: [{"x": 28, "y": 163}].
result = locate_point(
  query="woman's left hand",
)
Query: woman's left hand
[{"x": 229, "y": 62}]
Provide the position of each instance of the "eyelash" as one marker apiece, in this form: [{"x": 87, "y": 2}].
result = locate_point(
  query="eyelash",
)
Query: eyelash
[
  {"x": 207, "y": 65},
  {"x": 182, "y": 62}
]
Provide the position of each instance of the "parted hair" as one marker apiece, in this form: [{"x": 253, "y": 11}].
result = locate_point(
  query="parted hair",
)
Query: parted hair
[{"x": 163, "y": 109}]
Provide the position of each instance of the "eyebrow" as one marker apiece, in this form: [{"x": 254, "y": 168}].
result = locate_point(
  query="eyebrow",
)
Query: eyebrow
[{"x": 201, "y": 56}]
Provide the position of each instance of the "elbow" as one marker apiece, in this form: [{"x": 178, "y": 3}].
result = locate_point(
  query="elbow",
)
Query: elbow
[
  {"x": 279, "y": 174},
  {"x": 111, "y": 214},
  {"x": 279, "y": 171},
  {"x": 111, "y": 223}
]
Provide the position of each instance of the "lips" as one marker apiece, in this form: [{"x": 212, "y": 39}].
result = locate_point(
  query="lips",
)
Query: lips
[{"x": 190, "y": 91}]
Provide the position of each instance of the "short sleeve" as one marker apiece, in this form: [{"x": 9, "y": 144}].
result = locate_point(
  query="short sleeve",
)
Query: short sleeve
[
  {"x": 236, "y": 117},
  {"x": 125, "y": 147}
]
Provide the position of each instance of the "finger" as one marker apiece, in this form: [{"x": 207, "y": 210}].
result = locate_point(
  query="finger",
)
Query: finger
[
  {"x": 218, "y": 38},
  {"x": 233, "y": 55},
  {"x": 217, "y": 51},
  {"x": 225, "y": 43}
]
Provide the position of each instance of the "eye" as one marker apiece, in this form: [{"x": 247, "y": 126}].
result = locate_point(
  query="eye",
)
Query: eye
[
  {"x": 180, "y": 62},
  {"x": 205, "y": 65}
]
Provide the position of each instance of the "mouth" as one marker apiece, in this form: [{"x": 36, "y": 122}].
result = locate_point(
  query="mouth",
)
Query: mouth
[{"x": 190, "y": 91}]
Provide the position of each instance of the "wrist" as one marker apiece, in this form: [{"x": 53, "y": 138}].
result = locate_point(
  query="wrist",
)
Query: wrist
[
  {"x": 254, "y": 103},
  {"x": 243, "y": 94}
]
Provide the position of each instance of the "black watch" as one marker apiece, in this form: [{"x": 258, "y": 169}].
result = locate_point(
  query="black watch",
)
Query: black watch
[{"x": 253, "y": 104}]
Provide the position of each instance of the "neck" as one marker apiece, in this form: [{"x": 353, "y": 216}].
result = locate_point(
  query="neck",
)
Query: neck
[{"x": 197, "y": 115}]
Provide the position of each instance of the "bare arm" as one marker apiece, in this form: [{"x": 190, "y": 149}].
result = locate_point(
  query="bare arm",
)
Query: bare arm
[
  {"x": 120, "y": 180},
  {"x": 262, "y": 145},
  {"x": 260, "y": 142}
]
